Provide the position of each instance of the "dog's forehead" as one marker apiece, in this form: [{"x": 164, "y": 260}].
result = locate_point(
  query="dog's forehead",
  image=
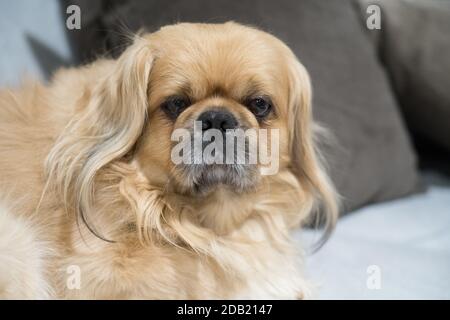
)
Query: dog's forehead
[
  {"x": 219, "y": 45},
  {"x": 218, "y": 56}
]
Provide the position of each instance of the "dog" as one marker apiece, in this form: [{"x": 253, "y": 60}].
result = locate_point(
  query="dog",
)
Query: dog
[{"x": 93, "y": 207}]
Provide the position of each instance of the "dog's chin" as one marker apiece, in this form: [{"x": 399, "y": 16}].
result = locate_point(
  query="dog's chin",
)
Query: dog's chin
[{"x": 203, "y": 179}]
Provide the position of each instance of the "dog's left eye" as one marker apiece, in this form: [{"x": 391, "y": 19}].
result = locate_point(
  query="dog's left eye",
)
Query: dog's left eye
[
  {"x": 260, "y": 106},
  {"x": 173, "y": 106}
]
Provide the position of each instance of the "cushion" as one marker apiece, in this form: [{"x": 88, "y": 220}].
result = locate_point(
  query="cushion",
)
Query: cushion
[
  {"x": 415, "y": 47},
  {"x": 371, "y": 159}
]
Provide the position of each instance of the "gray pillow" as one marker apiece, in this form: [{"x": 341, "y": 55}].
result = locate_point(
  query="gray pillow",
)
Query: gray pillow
[
  {"x": 372, "y": 159},
  {"x": 414, "y": 44}
]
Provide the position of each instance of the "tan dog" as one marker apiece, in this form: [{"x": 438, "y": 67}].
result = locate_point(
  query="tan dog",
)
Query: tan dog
[{"x": 88, "y": 184}]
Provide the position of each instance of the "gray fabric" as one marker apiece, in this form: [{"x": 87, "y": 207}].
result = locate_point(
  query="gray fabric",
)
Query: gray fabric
[
  {"x": 414, "y": 44},
  {"x": 92, "y": 39},
  {"x": 372, "y": 160}
]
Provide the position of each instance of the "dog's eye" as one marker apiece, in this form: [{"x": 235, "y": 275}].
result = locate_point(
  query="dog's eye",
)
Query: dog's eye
[
  {"x": 173, "y": 106},
  {"x": 260, "y": 107}
]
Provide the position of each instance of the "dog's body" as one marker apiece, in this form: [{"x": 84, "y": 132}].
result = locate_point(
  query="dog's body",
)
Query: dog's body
[{"x": 75, "y": 170}]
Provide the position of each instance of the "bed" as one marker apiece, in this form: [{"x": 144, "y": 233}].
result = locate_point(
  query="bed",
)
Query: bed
[{"x": 407, "y": 240}]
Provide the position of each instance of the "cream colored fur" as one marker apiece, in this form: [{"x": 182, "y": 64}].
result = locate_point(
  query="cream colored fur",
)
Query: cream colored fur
[{"x": 94, "y": 145}]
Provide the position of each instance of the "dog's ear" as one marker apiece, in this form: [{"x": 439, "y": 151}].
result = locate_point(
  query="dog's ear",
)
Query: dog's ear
[
  {"x": 104, "y": 129},
  {"x": 306, "y": 160}
]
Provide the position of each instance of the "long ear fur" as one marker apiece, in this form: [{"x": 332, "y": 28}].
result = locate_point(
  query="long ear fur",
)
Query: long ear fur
[
  {"x": 104, "y": 130},
  {"x": 306, "y": 158}
]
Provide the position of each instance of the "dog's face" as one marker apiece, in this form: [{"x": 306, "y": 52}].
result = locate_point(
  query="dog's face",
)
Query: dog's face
[{"x": 228, "y": 77}]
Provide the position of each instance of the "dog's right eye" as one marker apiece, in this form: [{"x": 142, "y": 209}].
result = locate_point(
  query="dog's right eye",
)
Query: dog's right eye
[{"x": 173, "y": 106}]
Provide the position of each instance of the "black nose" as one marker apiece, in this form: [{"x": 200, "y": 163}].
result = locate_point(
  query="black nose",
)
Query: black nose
[{"x": 220, "y": 119}]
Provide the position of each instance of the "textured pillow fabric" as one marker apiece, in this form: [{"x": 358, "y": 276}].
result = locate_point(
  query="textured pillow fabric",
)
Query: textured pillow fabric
[
  {"x": 414, "y": 44},
  {"x": 372, "y": 159}
]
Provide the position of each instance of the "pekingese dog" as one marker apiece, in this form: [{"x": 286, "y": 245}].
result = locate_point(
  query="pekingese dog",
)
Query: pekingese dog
[{"x": 94, "y": 207}]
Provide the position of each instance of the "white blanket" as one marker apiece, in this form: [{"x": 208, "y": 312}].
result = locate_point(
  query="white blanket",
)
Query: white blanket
[{"x": 394, "y": 250}]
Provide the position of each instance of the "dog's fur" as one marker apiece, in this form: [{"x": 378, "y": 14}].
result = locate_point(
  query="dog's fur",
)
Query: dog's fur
[{"x": 87, "y": 180}]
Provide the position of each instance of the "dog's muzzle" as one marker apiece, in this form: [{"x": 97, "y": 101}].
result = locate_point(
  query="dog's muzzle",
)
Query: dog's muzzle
[{"x": 219, "y": 154}]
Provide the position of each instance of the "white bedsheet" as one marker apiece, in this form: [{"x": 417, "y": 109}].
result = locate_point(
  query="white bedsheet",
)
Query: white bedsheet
[{"x": 407, "y": 240}]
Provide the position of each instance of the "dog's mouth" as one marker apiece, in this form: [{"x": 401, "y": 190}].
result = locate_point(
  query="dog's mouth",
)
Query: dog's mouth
[
  {"x": 204, "y": 164},
  {"x": 201, "y": 179}
]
